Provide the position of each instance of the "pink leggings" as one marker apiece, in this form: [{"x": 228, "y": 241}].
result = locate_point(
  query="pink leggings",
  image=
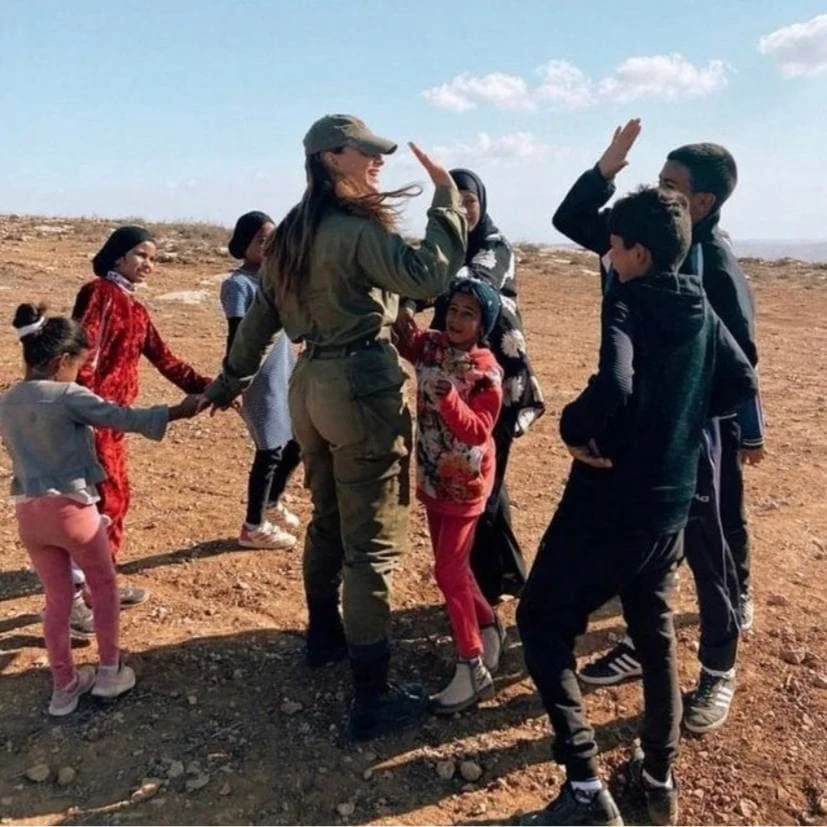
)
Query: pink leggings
[
  {"x": 57, "y": 531},
  {"x": 452, "y": 538}
]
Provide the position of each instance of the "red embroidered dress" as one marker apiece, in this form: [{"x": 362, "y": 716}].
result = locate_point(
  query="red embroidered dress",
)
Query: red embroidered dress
[
  {"x": 454, "y": 446},
  {"x": 120, "y": 331}
]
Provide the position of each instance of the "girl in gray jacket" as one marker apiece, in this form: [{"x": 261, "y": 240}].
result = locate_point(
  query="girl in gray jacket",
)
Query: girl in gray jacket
[{"x": 46, "y": 424}]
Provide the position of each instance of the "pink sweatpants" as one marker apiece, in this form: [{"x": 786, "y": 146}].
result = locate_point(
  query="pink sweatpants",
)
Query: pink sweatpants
[
  {"x": 56, "y": 531},
  {"x": 452, "y": 538}
]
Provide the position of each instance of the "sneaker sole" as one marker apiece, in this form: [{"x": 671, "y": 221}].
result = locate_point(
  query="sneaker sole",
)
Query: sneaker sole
[
  {"x": 484, "y": 695},
  {"x": 703, "y": 729},
  {"x": 609, "y": 681},
  {"x": 66, "y": 710},
  {"x": 109, "y": 695}
]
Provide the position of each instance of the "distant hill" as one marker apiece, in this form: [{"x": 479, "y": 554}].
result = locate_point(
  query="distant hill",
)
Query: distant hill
[{"x": 771, "y": 250}]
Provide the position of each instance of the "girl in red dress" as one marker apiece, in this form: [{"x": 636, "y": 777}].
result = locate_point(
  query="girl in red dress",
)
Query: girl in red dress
[{"x": 120, "y": 331}]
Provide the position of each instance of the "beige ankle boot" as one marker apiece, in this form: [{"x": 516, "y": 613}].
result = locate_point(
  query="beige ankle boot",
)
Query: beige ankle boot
[
  {"x": 472, "y": 682},
  {"x": 493, "y": 643}
]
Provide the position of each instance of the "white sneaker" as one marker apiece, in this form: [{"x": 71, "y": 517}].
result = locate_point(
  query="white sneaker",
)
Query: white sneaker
[
  {"x": 65, "y": 701},
  {"x": 284, "y": 515},
  {"x": 493, "y": 642},
  {"x": 472, "y": 682},
  {"x": 111, "y": 683},
  {"x": 266, "y": 535}
]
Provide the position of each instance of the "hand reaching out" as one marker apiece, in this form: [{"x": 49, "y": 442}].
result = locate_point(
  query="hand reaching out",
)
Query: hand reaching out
[
  {"x": 187, "y": 408},
  {"x": 614, "y": 158},
  {"x": 589, "y": 455}
]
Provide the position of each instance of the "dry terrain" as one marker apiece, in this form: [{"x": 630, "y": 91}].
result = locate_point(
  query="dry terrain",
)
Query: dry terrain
[{"x": 226, "y": 724}]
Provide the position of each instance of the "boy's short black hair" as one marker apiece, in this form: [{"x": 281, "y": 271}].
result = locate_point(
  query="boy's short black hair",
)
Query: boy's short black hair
[
  {"x": 711, "y": 168},
  {"x": 658, "y": 219}
]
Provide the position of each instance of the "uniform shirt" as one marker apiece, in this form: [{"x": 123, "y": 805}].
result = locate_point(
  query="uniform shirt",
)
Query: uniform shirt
[{"x": 357, "y": 272}]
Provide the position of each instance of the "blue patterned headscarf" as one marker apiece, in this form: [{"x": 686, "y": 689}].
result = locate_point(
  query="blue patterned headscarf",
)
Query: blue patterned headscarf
[{"x": 485, "y": 294}]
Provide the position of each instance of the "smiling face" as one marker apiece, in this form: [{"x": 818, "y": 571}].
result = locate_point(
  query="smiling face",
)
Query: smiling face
[
  {"x": 471, "y": 205},
  {"x": 675, "y": 176},
  {"x": 463, "y": 321},
  {"x": 137, "y": 265},
  {"x": 629, "y": 262},
  {"x": 361, "y": 171}
]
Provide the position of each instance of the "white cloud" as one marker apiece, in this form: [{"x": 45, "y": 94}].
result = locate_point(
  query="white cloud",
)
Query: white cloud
[
  {"x": 466, "y": 91},
  {"x": 565, "y": 86},
  {"x": 516, "y": 146},
  {"x": 663, "y": 76},
  {"x": 800, "y": 49}
]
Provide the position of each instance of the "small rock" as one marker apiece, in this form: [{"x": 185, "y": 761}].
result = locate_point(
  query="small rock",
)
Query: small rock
[
  {"x": 193, "y": 768},
  {"x": 147, "y": 790},
  {"x": 445, "y": 769},
  {"x": 821, "y": 806},
  {"x": 164, "y": 257},
  {"x": 747, "y": 808},
  {"x": 470, "y": 771},
  {"x": 6, "y": 801},
  {"x": 192, "y": 700},
  {"x": 198, "y": 782},
  {"x": 291, "y": 707},
  {"x": 820, "y": 681},
  {"x": 65, "y": 776},
  {"x": 238, "y": 674},
  {"x": 38, "y": 773},
  {"x": 480, "y": 810},
  {"x": 367, "y": 774},
  {"x": 176, "y": 769},
  {"x": 226, "y": 789},
  {"x": 346, "y": 809},
  {"x": 777, "y": 600},
  {"x": 794, "y": 656}
]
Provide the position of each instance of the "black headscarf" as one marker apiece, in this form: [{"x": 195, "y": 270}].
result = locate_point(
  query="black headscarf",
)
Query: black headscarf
[
  {"x": 471, "y": 182},
  {"x": 487, "y": 298},
  {"x": 245, "y": 231},
  {"x": 117, "y": 245}
]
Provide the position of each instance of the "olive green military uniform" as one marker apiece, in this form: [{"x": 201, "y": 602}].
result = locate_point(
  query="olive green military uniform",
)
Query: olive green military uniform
[{"x": 346, "y": 401}]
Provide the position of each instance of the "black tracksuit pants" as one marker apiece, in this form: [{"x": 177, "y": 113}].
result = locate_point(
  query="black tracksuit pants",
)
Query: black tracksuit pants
[{"x": 582, "y": 562}]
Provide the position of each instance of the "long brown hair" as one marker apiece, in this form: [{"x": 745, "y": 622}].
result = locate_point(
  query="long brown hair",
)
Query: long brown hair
[{"x": 287, "y": 255}]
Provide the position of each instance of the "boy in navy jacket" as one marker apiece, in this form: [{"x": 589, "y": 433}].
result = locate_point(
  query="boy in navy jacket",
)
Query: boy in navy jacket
[
  {"x": 666, "y": 366},
  {"x": 717, "y": 542}
]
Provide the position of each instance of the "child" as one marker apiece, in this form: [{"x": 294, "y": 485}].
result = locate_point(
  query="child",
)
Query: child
[
  {"x": 120, "y": 330},
  {"x": 459, "y": 394},
  {"x": 717, "y": 544},
  {"x": 265, "y": 401},
  {"x": 45, "y": 425},
  {"x": 666, "y": 365}
]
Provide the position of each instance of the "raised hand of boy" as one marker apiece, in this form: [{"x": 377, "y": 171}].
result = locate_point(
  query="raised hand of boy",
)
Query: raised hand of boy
[{"x": 614, "y": 158}]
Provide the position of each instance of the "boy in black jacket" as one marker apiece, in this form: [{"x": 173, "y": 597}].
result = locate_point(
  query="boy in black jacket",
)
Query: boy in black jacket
[
  {"x": 717, "y": 543},
  {"x": 666, "y": 365}
]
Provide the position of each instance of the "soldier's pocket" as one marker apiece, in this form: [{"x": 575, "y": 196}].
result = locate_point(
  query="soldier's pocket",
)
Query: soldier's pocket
[{"x": 378, "y": 401}]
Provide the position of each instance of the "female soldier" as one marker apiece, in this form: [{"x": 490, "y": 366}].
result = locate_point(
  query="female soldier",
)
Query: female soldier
[{"x": 332, "y": 276}]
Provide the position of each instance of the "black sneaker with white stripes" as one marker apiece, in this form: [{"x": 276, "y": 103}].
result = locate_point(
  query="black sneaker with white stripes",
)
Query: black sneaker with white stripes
[
  {"x": 617, "y": 666},
  {"x": 707, "y": 707}
]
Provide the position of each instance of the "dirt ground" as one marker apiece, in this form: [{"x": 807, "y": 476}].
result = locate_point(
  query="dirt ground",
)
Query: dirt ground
[{"x": 227, "y": 725}]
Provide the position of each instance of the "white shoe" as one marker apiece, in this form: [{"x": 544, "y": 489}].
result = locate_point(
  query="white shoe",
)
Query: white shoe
[
  {"x": 493, "y": 641},
  {"x": 471, "y": 683},
  {"x": 111, "y": 683},
  {"x": 283, "y": 514},
  {"x": 266, "y": 535},
  {"x": 65, "y": 701}
]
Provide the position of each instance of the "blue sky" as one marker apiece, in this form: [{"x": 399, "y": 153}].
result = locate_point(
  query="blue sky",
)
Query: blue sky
[{"x": 197, "y": 109}]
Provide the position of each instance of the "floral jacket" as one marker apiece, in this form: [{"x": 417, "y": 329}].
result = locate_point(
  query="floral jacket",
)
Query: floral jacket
[{"x": 454, "y": 448}]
